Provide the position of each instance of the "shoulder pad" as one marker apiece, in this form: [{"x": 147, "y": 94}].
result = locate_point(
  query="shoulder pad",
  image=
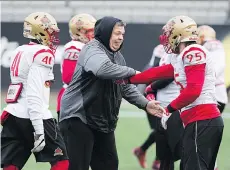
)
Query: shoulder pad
[
  {"x": 159, "y": 51},
  {"x": 213, "y": 45},
  {"x": 44, "y": 57},
  {"x": 194, "y": 55}
]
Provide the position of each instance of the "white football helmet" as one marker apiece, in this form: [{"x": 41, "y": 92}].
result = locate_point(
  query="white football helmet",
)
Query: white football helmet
[
  {"x": 205, "y": 33},
  {"x": 42, "y": 27},
  {"x": 178, "y": 29},
  {"x": 81, "y": 27}
]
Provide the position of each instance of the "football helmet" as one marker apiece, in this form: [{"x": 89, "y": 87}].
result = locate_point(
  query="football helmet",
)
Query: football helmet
[
  {"x": 81, "y": 27},
  {"x": 178, "y": 29},
  {"x": 205, "y": 33},
  {"x": 42, "y": 27}
]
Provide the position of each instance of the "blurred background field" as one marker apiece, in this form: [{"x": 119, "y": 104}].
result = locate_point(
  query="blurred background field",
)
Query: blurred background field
[{"x": 144, "y": 23}]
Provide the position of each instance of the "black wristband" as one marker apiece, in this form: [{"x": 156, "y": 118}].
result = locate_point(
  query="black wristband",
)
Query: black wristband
[
  {"x": 145, "y": 108},
  {"x": 171, "y": 109},
  {"x": 128, "y": 81},
  {"x": 152, "y": 86}
]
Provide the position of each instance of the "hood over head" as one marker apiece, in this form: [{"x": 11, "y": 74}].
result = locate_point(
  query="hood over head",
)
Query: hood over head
[{"x": 103, "y": 30}]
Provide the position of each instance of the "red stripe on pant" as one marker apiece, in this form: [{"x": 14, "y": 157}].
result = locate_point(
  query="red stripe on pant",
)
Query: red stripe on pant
[
  {"x": 10, "y": 167},
  {"x": 61, "y": 165}
]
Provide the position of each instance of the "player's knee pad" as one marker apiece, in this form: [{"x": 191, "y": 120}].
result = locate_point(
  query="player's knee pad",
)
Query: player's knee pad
[
  {"x": 10, "y": 167},
  {"x": 61, "y": 165}
]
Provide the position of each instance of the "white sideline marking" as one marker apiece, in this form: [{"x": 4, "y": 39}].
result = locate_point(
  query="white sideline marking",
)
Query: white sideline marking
[{"x": 143, "y": 114}]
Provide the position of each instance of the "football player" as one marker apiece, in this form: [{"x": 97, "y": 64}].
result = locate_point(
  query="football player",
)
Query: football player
[
  {"x": 81, "y": 29},
  {"x": 168, "y": 145},
  {"x": 194, "y": 72},
  {"x": 140, "y": 152},
  {"x": 207, "y": 38},
  {"x": 28, "y": 124}
]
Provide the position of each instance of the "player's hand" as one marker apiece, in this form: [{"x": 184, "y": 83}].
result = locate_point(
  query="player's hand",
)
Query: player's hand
[
  {"x": 153, "y": 107},
  {"x": 39, "y": 142},
  {"x": 165, "y": 118}
]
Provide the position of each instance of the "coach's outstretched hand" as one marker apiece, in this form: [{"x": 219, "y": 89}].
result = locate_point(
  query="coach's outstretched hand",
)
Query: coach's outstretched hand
[
  {"x": 153, "y": 107},
  {"x": 39, "y": 143}
]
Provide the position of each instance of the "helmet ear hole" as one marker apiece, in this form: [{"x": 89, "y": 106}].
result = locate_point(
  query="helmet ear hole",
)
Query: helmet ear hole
[
  {"x": 175, "y": 37},
  {"x": 42, "y": 34}
]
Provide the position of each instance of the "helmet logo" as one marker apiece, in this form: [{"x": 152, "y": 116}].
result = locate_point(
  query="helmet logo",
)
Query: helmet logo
[
  {"x": 171, "y": 23},
  {"x": 45, "y": 21},
  {"x": 79, "y": 23}
]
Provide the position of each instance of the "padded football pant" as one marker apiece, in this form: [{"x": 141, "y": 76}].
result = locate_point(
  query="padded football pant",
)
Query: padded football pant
[{"x": 201, "y": 142}]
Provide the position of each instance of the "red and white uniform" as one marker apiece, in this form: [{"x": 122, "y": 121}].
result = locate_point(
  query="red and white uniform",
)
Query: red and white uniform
[
  {"x": 171, "y": 91},
  {"x": 69, "y": 62},
  {"x": 217, "y": 54},
  {"x": 32, "y": 67},
  {"x": 194, "y": 72},
  {"x": 203, "y": 106}
]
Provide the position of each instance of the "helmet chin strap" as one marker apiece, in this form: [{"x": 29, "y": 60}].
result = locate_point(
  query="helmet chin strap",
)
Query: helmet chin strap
[
  {"x": 35, "y": 41},
  {"x": 177, "y": 50}
]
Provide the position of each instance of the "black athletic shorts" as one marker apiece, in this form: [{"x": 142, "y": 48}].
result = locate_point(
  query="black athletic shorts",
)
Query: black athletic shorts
[
  {"x": 152, "y": 121},
  {"x": 17, "y": 140},
  {"x": 201, "y": 143},
  {"x": 169, "y": 142},
  {"x": 221, "y": 106}
]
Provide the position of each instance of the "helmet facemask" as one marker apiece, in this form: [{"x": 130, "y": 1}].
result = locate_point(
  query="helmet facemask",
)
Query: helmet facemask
[
  {"x": 90, "y": 34},
  {"x": 85, "y": 35},
  {"x": 164, "y": 39},
  {"x": 53, "y": 39},
  {"x": 81, "y": 27},
  {"x": 42, "y": 27}
]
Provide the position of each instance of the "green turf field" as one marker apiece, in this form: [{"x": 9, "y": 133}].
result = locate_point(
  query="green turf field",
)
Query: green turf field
[{"x": 132, "y": 131}]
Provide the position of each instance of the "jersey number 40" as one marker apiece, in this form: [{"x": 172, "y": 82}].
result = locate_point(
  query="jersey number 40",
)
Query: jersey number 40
[{"x": 15, "y": 64}]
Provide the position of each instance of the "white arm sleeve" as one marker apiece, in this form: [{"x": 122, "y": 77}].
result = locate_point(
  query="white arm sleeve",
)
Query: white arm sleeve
[{"x": 35, "y": 84}]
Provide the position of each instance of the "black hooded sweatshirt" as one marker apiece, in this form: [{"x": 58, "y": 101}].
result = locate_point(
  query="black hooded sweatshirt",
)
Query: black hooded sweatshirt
[
  {"x": 103, "y": 30},
  {"x": 92, "y": 94}
]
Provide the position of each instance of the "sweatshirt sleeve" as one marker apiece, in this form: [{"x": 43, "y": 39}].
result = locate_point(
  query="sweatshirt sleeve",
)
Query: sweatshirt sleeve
[
  {"x": 134, "y": 96},
  {"x": 97, "y": 62}
]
